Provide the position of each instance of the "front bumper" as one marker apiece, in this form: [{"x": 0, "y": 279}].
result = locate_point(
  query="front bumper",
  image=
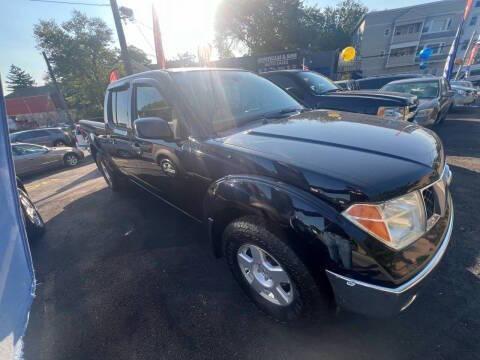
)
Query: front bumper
[{"x": 373, "y": 300}]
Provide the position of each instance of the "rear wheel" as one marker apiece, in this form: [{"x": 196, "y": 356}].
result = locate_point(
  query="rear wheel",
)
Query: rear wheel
[
  {"x": 270, "y": 272},
  {"x": 33, "y": 220},
  {"x": 71, "y": 159}
]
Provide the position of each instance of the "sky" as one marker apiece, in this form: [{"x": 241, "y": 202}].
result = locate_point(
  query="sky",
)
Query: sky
[{"x": 185, "y": 25}]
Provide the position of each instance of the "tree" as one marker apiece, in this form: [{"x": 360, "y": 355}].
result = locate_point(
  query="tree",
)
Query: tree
[
  {"x": 185, "y": 59},
  {"x": 272, "y": 25},
  {"x": 18, "y": 79},
  {"x": 82, "y": 55}
]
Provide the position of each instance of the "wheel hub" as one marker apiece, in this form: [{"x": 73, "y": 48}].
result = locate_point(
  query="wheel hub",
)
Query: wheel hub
[{"x": 265, "y": 275}]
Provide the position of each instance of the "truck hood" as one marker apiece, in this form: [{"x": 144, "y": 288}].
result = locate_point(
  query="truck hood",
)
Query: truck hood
[
  {"x": 343, "y": 157},
  {"x": 395, "y": 96}
]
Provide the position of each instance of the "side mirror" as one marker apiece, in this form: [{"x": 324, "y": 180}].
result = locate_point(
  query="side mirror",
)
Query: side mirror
[{"x": 153, "y": 128}]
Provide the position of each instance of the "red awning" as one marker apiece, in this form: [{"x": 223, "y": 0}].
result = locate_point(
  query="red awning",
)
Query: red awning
[{"x": 29, "y": 105}]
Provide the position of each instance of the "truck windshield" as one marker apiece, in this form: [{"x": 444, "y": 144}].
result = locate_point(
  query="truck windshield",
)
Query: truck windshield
[
  {"x": 317, "y": 83},
  {"x": 229, "y": 99},
  {"x": 422, "y": 89}
]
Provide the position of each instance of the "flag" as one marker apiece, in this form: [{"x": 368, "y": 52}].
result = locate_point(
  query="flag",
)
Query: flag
[
  {"x": 157, "y": 36},
  {"x": 447, "y": 71}
]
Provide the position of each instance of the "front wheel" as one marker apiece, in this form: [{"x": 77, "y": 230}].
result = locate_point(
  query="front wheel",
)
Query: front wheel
[
  {"x": 71, "y": 159},
  {"x": 33, "y": 220},
  {"x": 115, "y": 181},
  {"x": 270, "y": 272}
]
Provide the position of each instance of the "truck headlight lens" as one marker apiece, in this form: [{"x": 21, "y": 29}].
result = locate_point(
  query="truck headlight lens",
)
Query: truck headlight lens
[
  {"x": 461, "y": 92},
  {"x": 396, "y": 223},
  {"x": 392, "y": 113}
]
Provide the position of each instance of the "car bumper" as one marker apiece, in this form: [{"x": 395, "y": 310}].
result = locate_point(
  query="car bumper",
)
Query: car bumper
[{"x": 373, "y": 300}]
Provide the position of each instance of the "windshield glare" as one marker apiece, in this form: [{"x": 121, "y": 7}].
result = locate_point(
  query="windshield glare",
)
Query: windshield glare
[
  {"x": 423, "y": 89},
  {"x": 229, "y": 99},
  {"x": 317, "y": 83}
]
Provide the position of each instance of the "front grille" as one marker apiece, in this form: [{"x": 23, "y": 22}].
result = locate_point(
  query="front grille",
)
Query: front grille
[{"x": 429, "y": 201}]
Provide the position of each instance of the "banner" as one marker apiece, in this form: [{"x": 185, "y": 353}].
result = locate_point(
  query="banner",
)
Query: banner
[{"x": 452, "y": 54}]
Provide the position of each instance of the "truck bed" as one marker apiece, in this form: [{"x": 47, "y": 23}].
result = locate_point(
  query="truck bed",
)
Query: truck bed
[{"x": 95, "y": 127}]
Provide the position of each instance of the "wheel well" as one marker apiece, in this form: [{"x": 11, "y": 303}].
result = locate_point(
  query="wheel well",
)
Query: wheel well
[{"x": 220, "y": 222}]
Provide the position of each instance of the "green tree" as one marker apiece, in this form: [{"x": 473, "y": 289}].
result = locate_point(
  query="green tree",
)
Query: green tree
[
  {"x": 185, "y": 59},
  {"x": 82, "y": 55},
  {"x": 270, "y": 25},
  {"x": 18, "y": 79}
]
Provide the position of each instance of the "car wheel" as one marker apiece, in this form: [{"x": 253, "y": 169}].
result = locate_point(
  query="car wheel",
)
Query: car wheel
[
  {"x": 33, "y": 220},
  {"x": 115, "y": 181},
  {"x": 71, "y": 159},
  {"x": 59, "y": 143},
  {"x": 270, "y": 272}
]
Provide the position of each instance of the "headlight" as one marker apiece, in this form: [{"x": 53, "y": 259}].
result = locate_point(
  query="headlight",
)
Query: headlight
[
  {"x": 460, "y": 92},
  {"x": 424, "y": 112},
  {"x": 392, "y": 113},
  {"x": 396, "y": 223}
]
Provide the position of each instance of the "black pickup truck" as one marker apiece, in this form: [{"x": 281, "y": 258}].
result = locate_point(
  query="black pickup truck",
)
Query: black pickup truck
[
  {"x": 309, "y": 207},
  {"x": 318, "y": 92}
]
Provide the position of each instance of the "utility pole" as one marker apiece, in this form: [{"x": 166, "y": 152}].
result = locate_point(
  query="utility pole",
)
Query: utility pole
[
  {"x": 63, "y": 104},
  {"x": 121, "y": 37}
]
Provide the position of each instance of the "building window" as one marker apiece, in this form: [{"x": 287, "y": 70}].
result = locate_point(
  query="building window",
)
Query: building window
[
  {"x": 437, "y": 48},
  {"x": 437, "y": 25},
  {"x": 406, "y": 51},
  {"x": 473, "y": 20},
  {"x": 477, "y": 4},
  {"x": 407, "y": 29},
  {"x": 464, "y": 44},
  {"x": 387, "y": 31},
  {"x": 382, "y": 53}
]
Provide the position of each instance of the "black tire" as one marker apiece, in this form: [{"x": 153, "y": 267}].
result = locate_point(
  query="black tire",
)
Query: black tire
[
  {"x": 71, "y": 159},
  {"x": 34, "y": 223},
  {"x": 116, "y": 181},
  {"x": 59, "y": 143},
  {"x": 307, "y": 300}
]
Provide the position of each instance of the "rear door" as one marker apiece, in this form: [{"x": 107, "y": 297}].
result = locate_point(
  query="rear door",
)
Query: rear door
[
  {"x": 40, "y": 137},
  {"x": 444, "y": 96},
  {"x": 31, "y": 158}
]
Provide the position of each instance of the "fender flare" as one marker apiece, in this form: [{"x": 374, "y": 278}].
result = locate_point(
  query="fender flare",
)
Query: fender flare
[{"x": 310, "y": 222}]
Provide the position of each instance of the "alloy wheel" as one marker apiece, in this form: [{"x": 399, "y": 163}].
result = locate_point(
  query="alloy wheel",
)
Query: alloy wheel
[
  {"x": 265, "y": 275},
  {"x": 71, "y": 160},
  {"x": 106, "y": 173},
  {"x": 30, "y": 210}
]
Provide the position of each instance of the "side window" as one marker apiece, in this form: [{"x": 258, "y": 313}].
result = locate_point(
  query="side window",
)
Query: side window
[
  {"x": 118, "y": 113},
  {"x": 28, "y": 149},
  {"x": 286, "y": 82},
  {"x": 150, "y": 103}
]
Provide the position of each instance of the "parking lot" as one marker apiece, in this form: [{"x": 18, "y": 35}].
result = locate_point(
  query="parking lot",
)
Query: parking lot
[{"x": 126, "y": 277}]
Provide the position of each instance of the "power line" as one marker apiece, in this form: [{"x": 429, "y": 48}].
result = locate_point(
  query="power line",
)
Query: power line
[{"x": 70, "y": 2}]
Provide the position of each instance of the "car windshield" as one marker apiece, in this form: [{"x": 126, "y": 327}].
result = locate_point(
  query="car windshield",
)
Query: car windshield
[
  {"x": 229, "y": 99},
  {"x": 317, "y": 83},
  {"x": 422, "y": 89}
]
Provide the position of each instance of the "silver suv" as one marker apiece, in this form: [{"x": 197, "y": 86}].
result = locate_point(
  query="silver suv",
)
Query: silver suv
[{"x": 53, "y": 137}]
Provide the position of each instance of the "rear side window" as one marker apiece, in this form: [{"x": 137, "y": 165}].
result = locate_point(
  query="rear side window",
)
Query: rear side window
[
  {"x": 119, "y": 111},
  {"x": 150, "y": 103},
  {"x": 31, "y": 135}
]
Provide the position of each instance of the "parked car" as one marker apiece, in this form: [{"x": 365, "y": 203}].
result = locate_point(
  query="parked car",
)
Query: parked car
[
  {"x": 34, "y": 224},
  {"x": 463, "y": 96},
  {"x": 435, "y": 95},
  {"x": 301, "y": 203},
  {"x": 47, "y": 136},
  {"x": 318, "y": 92},
  {"x": 31, "y": 158},
  {"x": 463, "y": 83},
  {"x": 377, "y": 82}
]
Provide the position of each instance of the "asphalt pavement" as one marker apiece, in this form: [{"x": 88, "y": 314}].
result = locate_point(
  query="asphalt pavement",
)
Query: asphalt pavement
[{"x": 127, "y": 277}]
